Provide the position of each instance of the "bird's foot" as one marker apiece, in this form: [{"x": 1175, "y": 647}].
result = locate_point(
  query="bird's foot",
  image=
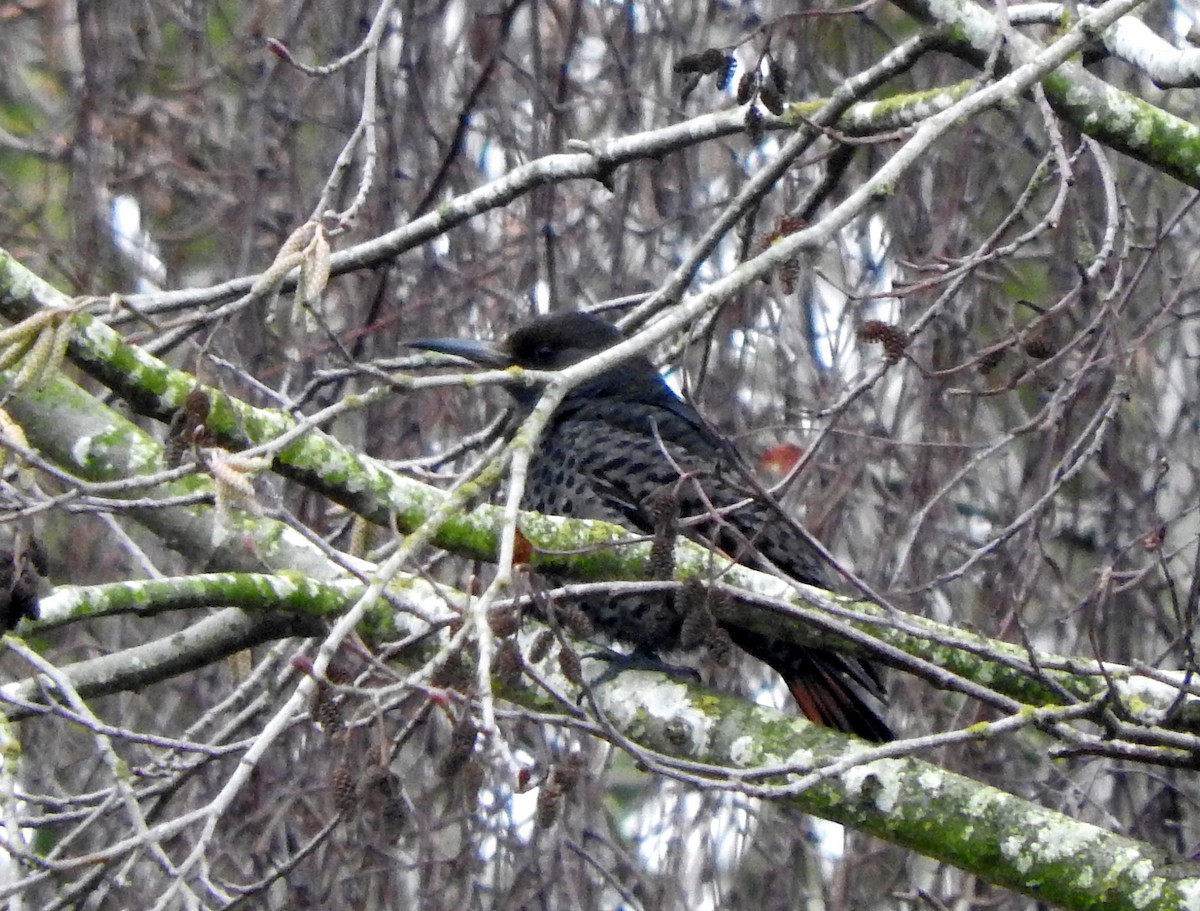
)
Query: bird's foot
[{"x": 638, "y": 660}]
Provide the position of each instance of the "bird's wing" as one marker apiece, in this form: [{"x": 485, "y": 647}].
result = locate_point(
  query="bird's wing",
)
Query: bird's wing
[{"x": 622, "y": 459}]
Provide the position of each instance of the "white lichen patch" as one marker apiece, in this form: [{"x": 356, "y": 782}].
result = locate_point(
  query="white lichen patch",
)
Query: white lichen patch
[
  {"x": 538, "y": 527},
  {"x": 882, "y": 778},
  {"x": 281, "y": 588},
  {"x": 139, "y": 590},
  {"x": 619, "y": 697},
  {"x": 934, "y": 104},
  {"x": 864, "y": 112},
  {"x": 142, "y": 451},
  {"x": 1069, "y": 841},
  {"x": 931, "y": 781},
  {"x": 1016, "y": 850},
  {"x": 338, "y": 462},
  {"x": 1063, "y": 840},
  {"x": 1130, "y": 863},
  {"x": 1149, "y": 699},
  {"x": 61, "y": 603},
  {"x": 770, "y": 587},
  {"x": 103, "y": 339},
  {"x": 81, "y": 451},
  {"x": 801, "y": 759},
  {"x": 745, "y": 752},
  {"x": 979, "y": 28},
  {"x": 634, "y": 692},
  {"x": 981, "y": 802},
  {"x": 1189, "y": 889},
  {"x": 1150, "y": 891},
  {"x": 1126, "y": 115}
]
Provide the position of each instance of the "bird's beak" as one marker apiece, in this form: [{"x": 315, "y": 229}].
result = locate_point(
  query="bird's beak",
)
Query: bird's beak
[{"x": 485, "y": 354}]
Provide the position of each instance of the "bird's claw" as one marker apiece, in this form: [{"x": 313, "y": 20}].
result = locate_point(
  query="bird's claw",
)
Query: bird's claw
[{"x": 638, "y": 660}]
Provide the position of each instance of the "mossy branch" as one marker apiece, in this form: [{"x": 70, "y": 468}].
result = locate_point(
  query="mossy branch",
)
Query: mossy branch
[
  {"x": 1118, "y": 119},
  {"x": 1002, "y": 838},
  {"x": 71, "y": 428},
  {"x": 675, "y": 725}
]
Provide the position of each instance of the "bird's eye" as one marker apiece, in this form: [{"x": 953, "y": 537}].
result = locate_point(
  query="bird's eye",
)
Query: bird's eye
[{"x": 543, "y": 354}]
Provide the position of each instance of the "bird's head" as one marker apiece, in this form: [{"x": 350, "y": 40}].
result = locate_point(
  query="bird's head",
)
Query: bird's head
[
  {"x": 546, "y": 343},
  {"x": 551, "y": 343}
]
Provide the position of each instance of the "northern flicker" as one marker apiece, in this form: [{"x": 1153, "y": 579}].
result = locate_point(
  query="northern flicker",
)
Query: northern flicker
[{"x": 611, "y": 449}]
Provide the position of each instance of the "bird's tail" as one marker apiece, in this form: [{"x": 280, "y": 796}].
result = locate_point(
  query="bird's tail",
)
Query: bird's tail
[
  {"x": 827, "y": 697},
  {"x": 831, "y": 689}
]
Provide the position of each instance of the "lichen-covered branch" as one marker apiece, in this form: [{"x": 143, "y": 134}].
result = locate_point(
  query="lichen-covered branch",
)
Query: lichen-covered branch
[
  {"x": 190, "y": 649},
  {"x": 1118, "y": 119},
  {"x": 73, "y": 429},
  {"x": 996, "y": 835},
  {"x": 676, "y": 725}
]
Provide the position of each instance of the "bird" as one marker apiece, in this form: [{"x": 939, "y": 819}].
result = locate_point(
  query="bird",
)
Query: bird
[
  {"x": 20, "y": 567},
  {"x": 622, "y": 443}
]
